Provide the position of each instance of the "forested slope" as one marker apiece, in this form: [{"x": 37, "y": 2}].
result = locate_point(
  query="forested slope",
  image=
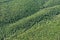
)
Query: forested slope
[{"x": 30, "y": 20}]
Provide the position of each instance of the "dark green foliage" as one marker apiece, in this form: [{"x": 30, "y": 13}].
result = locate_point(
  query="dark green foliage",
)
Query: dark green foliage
[{"x": 29, "y": 19}]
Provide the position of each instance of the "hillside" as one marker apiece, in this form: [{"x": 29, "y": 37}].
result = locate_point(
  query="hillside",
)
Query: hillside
[{"x": 29, "y": 19}]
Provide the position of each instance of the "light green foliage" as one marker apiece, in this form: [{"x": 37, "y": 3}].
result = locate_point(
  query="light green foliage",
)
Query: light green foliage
[{"x": 30, "y": 20}]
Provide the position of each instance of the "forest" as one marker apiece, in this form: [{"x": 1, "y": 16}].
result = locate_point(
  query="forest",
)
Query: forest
[{"x": 29, "y": 19}]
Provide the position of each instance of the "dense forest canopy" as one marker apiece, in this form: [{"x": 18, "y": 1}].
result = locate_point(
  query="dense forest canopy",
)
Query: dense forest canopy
[{"x": 29, "y": 19}]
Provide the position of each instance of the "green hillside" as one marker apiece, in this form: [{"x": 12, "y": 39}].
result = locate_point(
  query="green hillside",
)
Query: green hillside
[{"x": 29, "y": 19}]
